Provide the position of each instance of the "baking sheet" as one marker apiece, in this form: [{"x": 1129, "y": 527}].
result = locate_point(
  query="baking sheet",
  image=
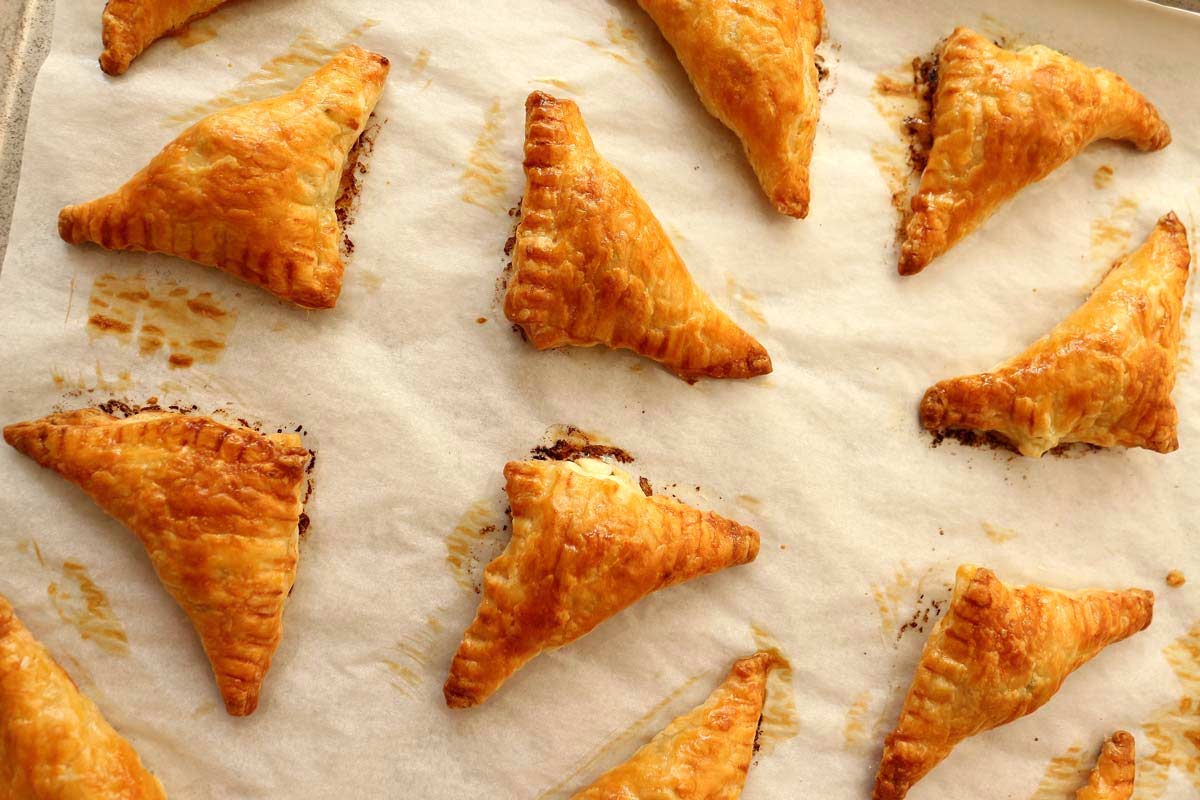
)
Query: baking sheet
[{"x": 413, "y": 406}]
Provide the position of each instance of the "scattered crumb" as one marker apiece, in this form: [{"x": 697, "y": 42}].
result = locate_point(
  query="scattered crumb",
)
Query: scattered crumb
[{"x": 1175, "y": 579}]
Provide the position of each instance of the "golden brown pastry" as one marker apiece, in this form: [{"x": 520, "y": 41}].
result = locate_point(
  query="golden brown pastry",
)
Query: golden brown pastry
[
  {"x": 702, "y": 755},
  {"x": 130, "y": 26},
  {"x": 999, "y": 653},
  {"x": 1112, "y": 779},
  {"x": 1004, "y": 119},
  {"x": 1103, "y": 375},
  {"x": 593, "y": 266},
  {"x": 586, "y": 543},
  {"x": 217, "y": 509},
  {"x": 753, "y": 65},
  {"x": 251, "y": 189},
  {"x": 54, "y": 743}
]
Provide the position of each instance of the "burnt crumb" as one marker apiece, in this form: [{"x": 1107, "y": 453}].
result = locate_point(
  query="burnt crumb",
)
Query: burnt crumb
[
  {"x": 1073, "y": 450},
  {"x": 118, "y": 408},
  {"x": 312, "y": 462},
  {"x": 302, "y": 525},
  {"x": 995, "y": 441},
  {"x": 822, "y": 70},
  {"x": 919, "y": 128},
  {"x": 646, "y": 488},
  {"x": 308, "y": 490},
  {"x": 183, "y": 409},
  {"x": 574, "y": 443},
  {"x": 519, "y": 331},
  {"x": 982, "y": 439},
  {"x": 244, "y": 423},
  {"x": 509, "y": 244},
  {"x": 758, "y": 734},
  {"x": 563, "y": 450},
  {"x": 299, "y": 429},
  {"x": 515, "y": 211},
  {"x": 350, "y": 184}
]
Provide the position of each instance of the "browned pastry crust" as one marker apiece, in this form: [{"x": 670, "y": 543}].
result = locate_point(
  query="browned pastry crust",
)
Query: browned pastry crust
[
  {"x": 217, "y": 509},
  {"x": 586, "y": 543},
  {"x": 1103, "y": 375},
  {"x": 593, "y": 266},
  {"x": 250, "y": 189},
  {"x": 1113, "y": 777},
  {"x": 54, "y": 743},
  {"x": 1004, "y": 119},
  {"x": 702, "y": 755},
  {"x": 753, "y": 65},
  {"x": 130, "y": 26},
  {"x": 1001, "y": 652}
]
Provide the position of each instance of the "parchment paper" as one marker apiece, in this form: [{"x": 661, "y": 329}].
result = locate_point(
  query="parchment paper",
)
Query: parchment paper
[{"x": 413, "y": 407}]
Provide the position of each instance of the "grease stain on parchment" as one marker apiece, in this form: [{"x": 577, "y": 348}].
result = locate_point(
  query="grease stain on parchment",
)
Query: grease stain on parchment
[
  {"x": 407, "y": 662},
  {"x": 779, "y": 719},
  {"x": 621, "y": 740},
  {"x": 80, "y": 381},
  {"x": 997, "y": 534},
  {"x": 1174, "y": 730},
  {"x": 903, "y": 98},
  {"x": 162, "y": 316},
  {"x": 623, "y": 45},
  {"x": 483, "y": 179},
  {"x": 194, "y": 33},
  {"x": 84, "y": 606},
  {"x": 475, "y": 541},
  {"x": 420, "y": 62},
  {"x": 860, "y": 731},
  {"x": 1112, "y": 232},
  {"x": 1064, "y": 775},
  {"x": 277, "y": 75},
  {"x": 558, "y": 83},
  {"x": 1002, "y": 34},
  {"x": 745, "y": 299},
  {"x": 892, "y": 599},
  {"x": 205, "y": 708}
]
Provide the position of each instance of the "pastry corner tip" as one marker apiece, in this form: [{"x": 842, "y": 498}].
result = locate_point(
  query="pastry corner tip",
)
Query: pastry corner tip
[
  {"x": 910, "y": 263},
  {"x": 66, "y": 224},
  {"x": 456, "y": 696},
  {"x": 933, "y": 409},
  {"x": 109, "y": 66}
]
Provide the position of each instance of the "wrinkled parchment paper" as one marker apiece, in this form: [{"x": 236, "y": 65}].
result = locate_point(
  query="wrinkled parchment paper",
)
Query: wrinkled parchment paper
[{"x": 413, "y": 406}]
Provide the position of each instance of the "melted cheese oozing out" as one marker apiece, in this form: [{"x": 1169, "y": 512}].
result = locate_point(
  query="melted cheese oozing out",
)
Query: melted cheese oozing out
[{"x": 595, "y": 468}]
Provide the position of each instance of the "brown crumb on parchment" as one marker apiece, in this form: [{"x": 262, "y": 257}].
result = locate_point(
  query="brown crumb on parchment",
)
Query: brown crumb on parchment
[
  {"x": 350, "y": 187},
  {"x": 573, "y": 443},
  {"x": 1175, "y": 579}
]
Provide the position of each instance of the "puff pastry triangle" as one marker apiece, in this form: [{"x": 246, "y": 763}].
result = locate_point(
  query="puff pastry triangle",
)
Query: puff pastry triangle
[
  {"x": 1004, "y": 119},
  {"x": 753, "y": 65},
  {"x": 130, "y": 26},
  {"x": 1103, "y": 375},
  {"x": 702, "y": 755},
  {"x": 593, "y": 266},
  {"x": 1113, "y": 777},
  {"x": 1001, "y": 652},
  {"x": 54, "y": 742},
  {"x": 250, "y": 189},
  {"x": 586, "y": 543},
  {"x": 217, "y": 509}
]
